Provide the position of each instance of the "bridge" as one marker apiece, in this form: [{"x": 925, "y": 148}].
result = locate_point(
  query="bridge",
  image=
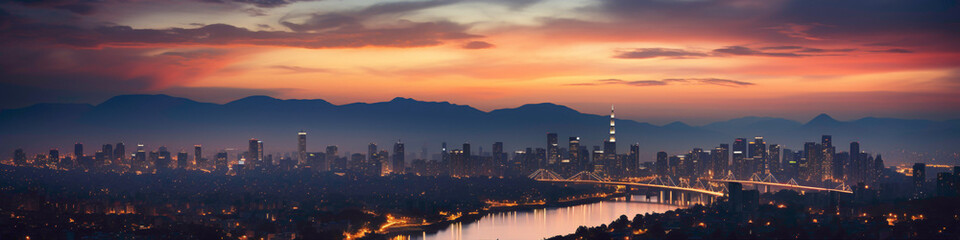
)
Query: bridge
[
  {"x": 684, "y": 192},
  {"x": 669, "y": 191},
  {"x": 769, "y": 181}
]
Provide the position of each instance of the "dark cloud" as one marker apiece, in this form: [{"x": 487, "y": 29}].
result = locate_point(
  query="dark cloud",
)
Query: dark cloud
[
  {"x": 894, "y": 50},
  {"x": 741, "y": 50},
  {"x": 771, "y": 51},
  {"x": 669, "y": 81},
  {"x": 782, "y": 48},
  {"x": 477, "y": 45},
  {"x": 411, "y": 35},
  {"x": 658, "y": 52},
  {"x": 82, "y": 7},
  {"x": 926, "y": 23}
]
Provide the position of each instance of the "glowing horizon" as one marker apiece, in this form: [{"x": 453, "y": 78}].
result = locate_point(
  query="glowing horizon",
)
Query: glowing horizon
[{"x": 658, "y": 61}]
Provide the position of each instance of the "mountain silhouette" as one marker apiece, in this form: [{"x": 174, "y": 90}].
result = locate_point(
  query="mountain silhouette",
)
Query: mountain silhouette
[{"x": 180, "y": 123}]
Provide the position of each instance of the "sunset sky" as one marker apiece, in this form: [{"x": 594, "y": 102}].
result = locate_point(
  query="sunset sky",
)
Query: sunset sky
[{"x": 658, "y": 61}]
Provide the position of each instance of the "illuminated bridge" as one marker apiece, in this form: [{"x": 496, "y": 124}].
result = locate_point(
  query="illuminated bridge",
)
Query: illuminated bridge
[
  {"x": 683, "y": 192},
  {"x": 770, "y": 182}
]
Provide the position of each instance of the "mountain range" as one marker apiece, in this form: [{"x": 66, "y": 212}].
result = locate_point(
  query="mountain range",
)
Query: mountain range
[{"x": 180, "y": 123}]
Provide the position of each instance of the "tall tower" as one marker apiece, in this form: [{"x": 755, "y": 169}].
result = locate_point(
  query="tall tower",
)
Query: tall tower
[
  {"x": 610, "y": 146},
  {"x": 613, "y": 129},
  {"x": 302, "y": 148},
  {"x": 399, "y": 163},
  {"x": 553, "y": 149}
]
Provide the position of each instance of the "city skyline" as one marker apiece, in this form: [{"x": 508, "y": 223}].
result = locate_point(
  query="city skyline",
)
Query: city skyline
[
  {"x": 752, "y": 56},
  {"x": 479, "y": 119},
  {"x": 431, "y": 117}
]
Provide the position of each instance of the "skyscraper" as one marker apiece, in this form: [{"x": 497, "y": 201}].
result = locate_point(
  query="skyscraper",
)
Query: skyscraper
[
  {"x": 253, "y": 151},
  {"x": 827, "y": 163},
  {"x": 773, "y": 159},
  {"x": 856, "y": 164},
  {"x": 574, "y": 148},
  {"x": 399, "y": 163},
  {"x": 553, "y": 149},
  {"x": 371, "y": 149},
  {"x": 301, "y": 147},
  {"x": 739, "y": 154},
  {"x": 330, "y": 156},
  {"x": 19, "y": 157},
  {"x": 721, "y": 160},
  {"x": 198, "y": 155},
  {"x": 633, "y": 160},
  {"x": 141, "y": 155},
  {"x": 182, "y": 159},
  {"x": 811, "y": 164},
  {"x": 610, "y": 145},
  {"x": 919, "y": 177},
  {"x": 163, "y": 159},
  {"x": 119, "y": 152},
  {"x": 54, "y": 156},
  {"x": 260, "y": 157},
  {"x": 758, "y": 152},
  {"x": 661, "y": 164},
  {"x": 78, "y": 150},
  {"x": 466, "y": 160},
  {"x": 499, "y": 159},
  {"x": 107, "y": 150}
]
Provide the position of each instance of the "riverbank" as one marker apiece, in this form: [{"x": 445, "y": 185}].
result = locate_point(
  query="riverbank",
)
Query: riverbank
[{"x": 432, "y": 228}]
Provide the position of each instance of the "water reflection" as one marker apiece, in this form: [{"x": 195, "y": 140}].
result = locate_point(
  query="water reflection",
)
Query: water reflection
[{"x": 544, "y": 223}]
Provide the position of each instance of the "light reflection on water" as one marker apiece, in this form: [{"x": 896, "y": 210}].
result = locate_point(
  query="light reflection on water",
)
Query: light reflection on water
[{"x": 544, "y": 223}]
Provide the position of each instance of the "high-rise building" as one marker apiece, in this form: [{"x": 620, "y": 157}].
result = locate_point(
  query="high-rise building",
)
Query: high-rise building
[
  {"x": 107, "y": 150},
  {"x": 721, "y": 160},
  {"x": 141, "y": 155},
  {"x": 331, "y": 155},
  {"x": 610, "y": 145},
  {"x": 221, "y": 161},
  {"x": 574, "y": 148},
  {"x": 399, "y": 163},
  {"x": 553, "y": 149},
  {"x": 78, "y": 150},
  {"x": 919, "y": 178},
  {"x": 857, "y": 169},
  {"x": 758, "y": 152},
  {"x": 662, "y": 165},
  {"x": 773, "y": 159},
  {"x": 163, "y": 159},
  {"x": 54, "y": 156},
  {"x": 19, "y": 157},
  {"x": 946, "y": 184},
  {"x": 301, "y": 147},
  {"x": 198, "y": 156},
  {"x": 371, "y": 149},
  {"x": 457, "y": 163},
  {"x": 827, "y": 152},
  {"x": 119, "y": 152},
  {"x": 183, "y": 159},
  {"x": 253, "y": 151},
  {"x": 260, "y": 152},
  {"x": 633, "y": 160},
  {"x": 811, "y": 164},
  {"x": 739, "y": 155},
  {"x": 499, "y": 159}
]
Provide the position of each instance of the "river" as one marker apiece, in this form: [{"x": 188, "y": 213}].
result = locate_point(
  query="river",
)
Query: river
[{"x": 544, "y": 223}]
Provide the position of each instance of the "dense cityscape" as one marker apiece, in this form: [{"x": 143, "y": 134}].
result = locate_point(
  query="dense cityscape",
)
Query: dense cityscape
[
  {"x": 479, "y": 119},
  {"x": 113, "y": 193}
]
